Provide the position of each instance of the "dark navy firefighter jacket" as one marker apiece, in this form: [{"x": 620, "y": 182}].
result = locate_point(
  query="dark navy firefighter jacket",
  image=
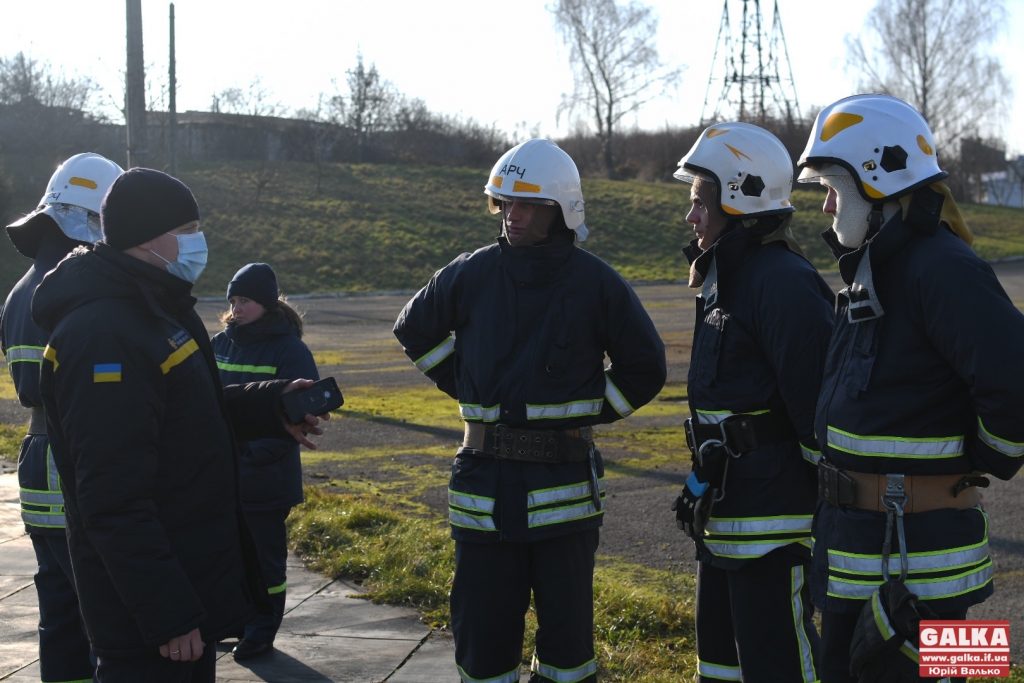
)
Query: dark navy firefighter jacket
[
  {"x": 268, "y": 348},
  {"x": 144, "y": 440},
  {"x": 518, "y": 335},
  {"x": 23, "y": 342},
  {"x": 925, "y": 376},
  {"x": 764, "y": 317}
]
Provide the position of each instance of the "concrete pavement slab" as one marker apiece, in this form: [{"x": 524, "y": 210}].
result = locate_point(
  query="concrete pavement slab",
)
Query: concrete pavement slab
[
  {"x": 19, "y": 618},
  {"x": 19, "y": 560},
  {"x": 432, "y": 662},
  {"x": 321, "y": 658}
]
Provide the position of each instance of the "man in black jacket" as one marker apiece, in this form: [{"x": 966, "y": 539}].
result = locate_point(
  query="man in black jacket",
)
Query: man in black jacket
[
  {"x": 144, "y": 439},
  {"x": 517, "y": 333}
]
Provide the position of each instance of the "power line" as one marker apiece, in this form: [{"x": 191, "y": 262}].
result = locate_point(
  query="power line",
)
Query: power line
[{"x": 751, "y": 72}]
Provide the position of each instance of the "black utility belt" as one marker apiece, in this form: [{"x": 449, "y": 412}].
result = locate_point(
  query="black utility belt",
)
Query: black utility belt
[
  {"x": 740, "y": 433},
  {"x": 531, "y": 445}
]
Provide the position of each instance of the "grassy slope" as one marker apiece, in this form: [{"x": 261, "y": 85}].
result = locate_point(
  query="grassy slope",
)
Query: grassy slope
[{"x": 378, "y": 227}]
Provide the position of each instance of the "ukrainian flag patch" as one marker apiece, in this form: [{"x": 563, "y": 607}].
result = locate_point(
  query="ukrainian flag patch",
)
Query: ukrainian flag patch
[{"x": 106, "y": 372}]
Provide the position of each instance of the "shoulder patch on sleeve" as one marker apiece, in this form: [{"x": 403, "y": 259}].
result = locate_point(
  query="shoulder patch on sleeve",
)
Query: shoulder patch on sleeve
[
  {"x": 50, "y": 354},
  {"x": 106, "y": 372}
]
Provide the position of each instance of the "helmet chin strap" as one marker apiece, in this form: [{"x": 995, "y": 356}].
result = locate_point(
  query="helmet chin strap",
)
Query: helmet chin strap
[{"x": 875, "y": 219}]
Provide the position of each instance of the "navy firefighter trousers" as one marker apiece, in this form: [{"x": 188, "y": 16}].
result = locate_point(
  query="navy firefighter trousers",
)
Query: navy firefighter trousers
[{"x": 489, "y": 623}]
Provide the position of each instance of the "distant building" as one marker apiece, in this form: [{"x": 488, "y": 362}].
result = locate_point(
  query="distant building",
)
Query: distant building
[
  {"x": 218, "y": 136},
  {"x": 1006, "y": 187}
]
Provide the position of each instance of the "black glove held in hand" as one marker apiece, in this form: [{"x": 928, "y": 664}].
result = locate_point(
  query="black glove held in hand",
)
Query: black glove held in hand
[
  {"x": 884, "y": 644},
  {"x": 691, "y": 507}
]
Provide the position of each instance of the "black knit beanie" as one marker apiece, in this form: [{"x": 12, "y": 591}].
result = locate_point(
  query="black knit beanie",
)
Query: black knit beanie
[
  {"x": 142, "y": 204},
  {"x": 255, "y": 281}
]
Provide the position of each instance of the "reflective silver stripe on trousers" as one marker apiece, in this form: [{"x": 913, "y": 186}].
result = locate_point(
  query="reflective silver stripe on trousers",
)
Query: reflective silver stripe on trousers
[
  {"x": 560, "y": 493},
  {"x": 507, "y": 677},
  {"x": 759, "y": 525},
  {"x": 556, "y": 411},
  {"x": 926, "y": 589},
  {"x": 803, "y": 642},
  {"x": 896, "y": 447},
  {"x": 50, "y": 520},
  {"x": 33, "y": 497},
  {"x": 470, "y": 502},
  {"x": 468, "y": 521},
  {"x": 936, "y": 560},
  {"x": 748, "y": 549},
  {"x": 431, "y": 358},
  {"x": 722, "y": 672},
  {"x": 478, "y": 413},
  {"x": 564, "y": 675},
  {"x": 568, "y": 513},
  {"x": 615, "y": 397},
  {"x": 1008, "y": 448}
]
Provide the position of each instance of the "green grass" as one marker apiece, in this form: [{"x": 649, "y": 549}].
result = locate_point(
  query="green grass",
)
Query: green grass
[
  {"x": 7, "y": 385},
  {"x": 11, "y": 437},
  {"x": 423, "y": 405},
  {"x": 386, "y": 227},
  {"x": 643, "y": 618},
  {"x": 401, "y": 559}
]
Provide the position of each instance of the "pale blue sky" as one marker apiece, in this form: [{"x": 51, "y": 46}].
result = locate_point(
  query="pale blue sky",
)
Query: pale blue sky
[{"x": 469, "y": 57}]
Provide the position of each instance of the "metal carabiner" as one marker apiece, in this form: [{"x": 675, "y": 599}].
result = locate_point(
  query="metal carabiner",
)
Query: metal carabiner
[
  {"x": 894, "y": 501},
  {"x": 720, "y": 491}
]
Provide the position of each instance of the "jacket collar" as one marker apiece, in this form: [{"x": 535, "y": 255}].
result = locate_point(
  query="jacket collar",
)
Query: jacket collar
[
  {"x": 169, "y": 291},
  {"x": 537, "y": 264},
  {"x": 270, "y": 325}
]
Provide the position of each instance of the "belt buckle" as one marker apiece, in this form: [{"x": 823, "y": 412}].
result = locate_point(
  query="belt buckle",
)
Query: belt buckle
[
  {"x": 828, "y": 482},
  {"x": 835, "y": 486},
  {"x": 895, "y": 496}
]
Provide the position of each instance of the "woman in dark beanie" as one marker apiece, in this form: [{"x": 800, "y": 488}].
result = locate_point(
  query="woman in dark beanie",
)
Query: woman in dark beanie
[{"x": 261, "y": 340}]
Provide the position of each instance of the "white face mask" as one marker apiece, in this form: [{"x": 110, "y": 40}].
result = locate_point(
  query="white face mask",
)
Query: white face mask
[
  {"x": 852, "y": 210},
  {"x": 192, "y": 256}
]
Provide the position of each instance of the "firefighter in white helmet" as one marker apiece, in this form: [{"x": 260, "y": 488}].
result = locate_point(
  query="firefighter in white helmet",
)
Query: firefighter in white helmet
[
  {"x": 517, "y": 332},
  {"x": 922, "y": 394},
  {"x": 764, "y": 317},
  {"x": 67, "y": 216}
]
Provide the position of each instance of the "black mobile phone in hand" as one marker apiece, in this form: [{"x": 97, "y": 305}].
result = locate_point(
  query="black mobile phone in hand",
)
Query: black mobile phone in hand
[{"x": 323, "y": 397}]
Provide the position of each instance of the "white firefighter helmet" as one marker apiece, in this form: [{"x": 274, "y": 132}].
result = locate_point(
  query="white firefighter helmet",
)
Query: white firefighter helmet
[
  {"x": 72, "y": 200},
  {"x": 539, "y": 170},
  {"x": 752, "y": 168},
  {"x": 883, "y": 142}
]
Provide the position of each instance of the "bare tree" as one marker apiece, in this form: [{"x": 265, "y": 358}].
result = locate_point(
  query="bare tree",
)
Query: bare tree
[
  {"x": 615, "y": 64},
  {"x": 931, "y": 53},
  {"x": 23, "y": 79},
  {"x": 370, "y": 105},
  {"x": 252, "y": 101}
]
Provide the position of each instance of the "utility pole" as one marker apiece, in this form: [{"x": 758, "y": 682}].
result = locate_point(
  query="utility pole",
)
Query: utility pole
[
  {"x": 135, "y": 86},
  {"x": 172, "y": 113}
]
